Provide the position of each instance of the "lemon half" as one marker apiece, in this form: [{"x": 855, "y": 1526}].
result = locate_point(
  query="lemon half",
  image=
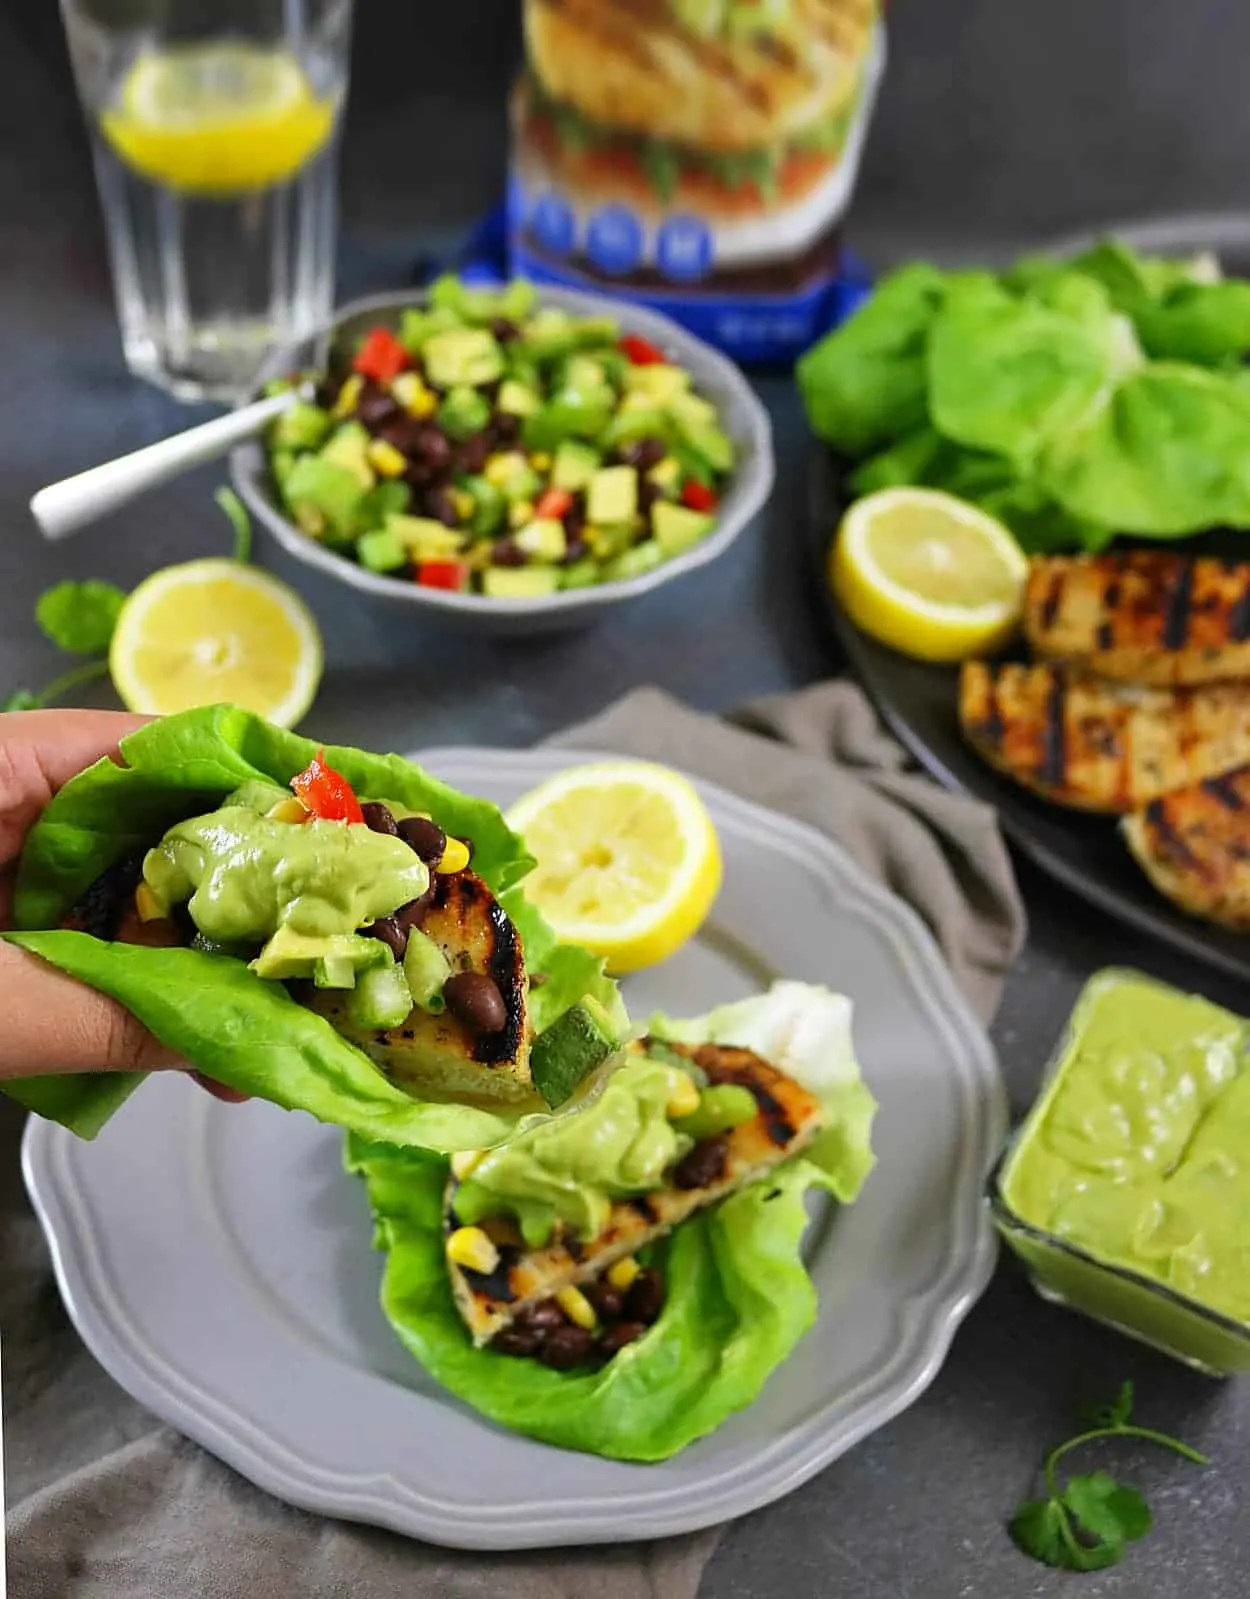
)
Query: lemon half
[
  {"x": 215, "y": 631},
  {"x": 628, "y": 859},
  {"x": 928, "y": 574}
]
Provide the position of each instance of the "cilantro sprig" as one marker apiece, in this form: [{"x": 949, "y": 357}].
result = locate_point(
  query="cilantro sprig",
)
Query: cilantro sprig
[{"x": 1085, "y": 1522}]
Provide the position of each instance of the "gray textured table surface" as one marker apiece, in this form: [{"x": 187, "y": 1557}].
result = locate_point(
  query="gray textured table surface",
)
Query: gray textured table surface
[{"x": 997, "y": 121}]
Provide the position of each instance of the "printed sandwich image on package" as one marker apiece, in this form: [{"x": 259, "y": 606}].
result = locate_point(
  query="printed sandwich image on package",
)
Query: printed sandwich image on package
[{"x": 694, "y": 155}]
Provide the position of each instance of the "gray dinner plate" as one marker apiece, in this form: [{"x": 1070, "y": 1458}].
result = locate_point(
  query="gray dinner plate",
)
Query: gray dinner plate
[{"x": 216, "y": 1259}]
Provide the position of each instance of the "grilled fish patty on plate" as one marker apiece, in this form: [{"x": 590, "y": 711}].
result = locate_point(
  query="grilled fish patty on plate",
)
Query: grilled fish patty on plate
[
  {"x": 1194, "y": 846},
  {"x": 788, "y": 1119},
  {"x": 1148, "y": 616},
  {"x": 1100, "y": 746}
]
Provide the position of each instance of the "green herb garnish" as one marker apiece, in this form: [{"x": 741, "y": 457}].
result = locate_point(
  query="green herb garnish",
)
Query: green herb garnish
[{"x": 1085, "y": 1524}]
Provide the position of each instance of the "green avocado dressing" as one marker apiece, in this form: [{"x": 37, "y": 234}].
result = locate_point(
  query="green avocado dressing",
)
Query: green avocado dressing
[
  {"x": 1139, "y": 1152},
  {"x": 245, "y": 875},
  {"x": 571, "y": 1169}
]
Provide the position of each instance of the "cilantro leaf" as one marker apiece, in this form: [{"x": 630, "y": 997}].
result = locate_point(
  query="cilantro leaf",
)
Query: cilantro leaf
[
  {"x": 233, "y": 507},
  {"x": 80, "y": 617},
  {"x": 21, "y": 699},
  {"x": 1115, "y": 1414},
  {"x": 1107, "y": 1510},
  {"x": 1037, "y": 1529}
]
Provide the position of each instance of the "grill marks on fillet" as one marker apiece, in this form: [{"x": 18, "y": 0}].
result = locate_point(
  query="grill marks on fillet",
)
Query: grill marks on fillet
[{"x": 1194, "y": 845}]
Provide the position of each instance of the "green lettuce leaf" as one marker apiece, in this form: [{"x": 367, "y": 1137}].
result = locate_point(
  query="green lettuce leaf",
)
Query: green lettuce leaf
[
  {"x": 738, "y": 1300},
  {"x": 864, "y": 383},
  {"x": 212, "y": 1010}
]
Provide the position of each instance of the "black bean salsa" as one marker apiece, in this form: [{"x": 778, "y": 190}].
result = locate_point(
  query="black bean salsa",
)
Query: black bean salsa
[
  {"x": 554, "y": 1333},
  {"x": 494, "y": 446}
]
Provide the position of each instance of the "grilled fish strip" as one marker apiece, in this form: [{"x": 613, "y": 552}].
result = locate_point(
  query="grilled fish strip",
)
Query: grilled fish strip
[
  {"x": 789, "y": 1118},
  {"x": 1100, "y": 746},
  {"x": 1149, "y": 616},
  {"x": 1194, "y": 846}
]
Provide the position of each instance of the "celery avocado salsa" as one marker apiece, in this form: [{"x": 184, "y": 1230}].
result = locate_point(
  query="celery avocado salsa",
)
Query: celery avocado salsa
[{"x": 502, "y": 448}]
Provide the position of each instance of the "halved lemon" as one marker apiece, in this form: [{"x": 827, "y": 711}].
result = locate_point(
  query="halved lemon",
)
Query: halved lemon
[
  {"x": 928, "y": 574},
  {"x": 628, "y": 859},
  {"x": 221, "y": 118},
  {"x": 215, "y": 631}
]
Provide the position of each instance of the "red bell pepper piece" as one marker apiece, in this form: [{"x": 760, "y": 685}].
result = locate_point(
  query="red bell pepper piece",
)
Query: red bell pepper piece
[
  {"x": 381, "y": 357},
  {"x": 326, "y": 793},
  {"x": 698, "y": 496},
  {"x": 443, "y": 574},
  {"x": 640, "y": 351},
  {"x": 553, "y": 504}
]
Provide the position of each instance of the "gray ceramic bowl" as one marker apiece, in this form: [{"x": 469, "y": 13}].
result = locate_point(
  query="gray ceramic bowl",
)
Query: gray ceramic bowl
[{"x": 744, "y": 418}]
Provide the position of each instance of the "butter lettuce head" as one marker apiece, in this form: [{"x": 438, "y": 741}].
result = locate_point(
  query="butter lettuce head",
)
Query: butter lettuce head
[
  {"x": 738, "y": 1299},
  {"x": 211, "y": 1009}
]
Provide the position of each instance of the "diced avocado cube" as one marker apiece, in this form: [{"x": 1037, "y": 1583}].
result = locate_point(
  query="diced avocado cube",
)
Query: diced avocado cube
[
  {"x": 463, "y": 413},
  {"x": 383, "y": 499},
  {"x": 609, "y": 539},
  {"x": 382, "y": 550},
  {"x": 676, "y": 527},
  {"x": 666, "y": 474},
  {"x": 612, "y": 495},
  {"x": 303, "y": 427},
  {"x": 513, "y": 476},
  {"x": 463, "y": 355},
  {"x": 424, "y": 538},
  {"x": 489, "y": 507},
  {"x": 323, "y": 497},
  {"x": 520, "y": 582},
  {"x": 581, "y": 575},
  {"x": 698, "y": 427},
  {"x": 552, "y": 332},
  {"x": 516, "y": 300},
  {"x": 416, "y": 326},
  {"x": 348, "y": 447},
  {"x": 693, "y": 409},
  {"x": 567, "y": 415},
  {"x": 427, "y": 970},
  {"x": 574, "y": 465},
  {"x": 640, "y": 422},
  {"x": 644, "y": 557},
  {"x": 517, "y": 399},
  {"x": 543, "y": 538},
  {"x": 470, "y": 304},
  {"x": 574, "y": 1045},
  {"x": 691, "y": 464},
  {"x": 659, "y": 382},
  {"x": 585, "y": 374},
  {"x": 381, "y": 998},
  {"x": 288, "y": 955}
]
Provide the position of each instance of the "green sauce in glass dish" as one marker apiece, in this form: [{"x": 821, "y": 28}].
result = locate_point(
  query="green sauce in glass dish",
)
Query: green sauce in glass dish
[{"x": 1126, "y": 1190}]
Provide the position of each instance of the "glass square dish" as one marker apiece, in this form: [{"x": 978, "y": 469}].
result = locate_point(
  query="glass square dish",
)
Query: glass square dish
[{"x": 1068, "y": 1273}]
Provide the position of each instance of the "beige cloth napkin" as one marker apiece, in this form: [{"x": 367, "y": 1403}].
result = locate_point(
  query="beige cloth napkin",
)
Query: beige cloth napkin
[{"x": 107, "y": 1504}]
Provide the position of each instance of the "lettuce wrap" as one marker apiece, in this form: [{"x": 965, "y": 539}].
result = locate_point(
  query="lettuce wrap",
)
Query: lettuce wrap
[
  {"x": 212, "y": 1009},
  {"x": 738, "y": 1297}
]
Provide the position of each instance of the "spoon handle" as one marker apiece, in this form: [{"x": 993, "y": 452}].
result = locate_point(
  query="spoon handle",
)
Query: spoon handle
[{"x": 62, "y": 508}]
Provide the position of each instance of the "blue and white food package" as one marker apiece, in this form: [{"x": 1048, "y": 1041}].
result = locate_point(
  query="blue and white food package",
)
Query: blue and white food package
[{"x": 696, "y": 156}]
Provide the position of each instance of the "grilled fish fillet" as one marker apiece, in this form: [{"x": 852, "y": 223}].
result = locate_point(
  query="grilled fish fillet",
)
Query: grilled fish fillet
[
  {"x": 789, "y": 1118},
  {"x": 1145, "y": 617},
  {"x": 434, "y": 1055},
  {"x": 1100, "y": 746},
  {"x": 631, "y": 65},
  {"x": 1194, "y": 846}
]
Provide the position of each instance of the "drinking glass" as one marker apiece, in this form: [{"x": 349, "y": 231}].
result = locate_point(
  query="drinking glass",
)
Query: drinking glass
[{"x": 214, "y": 131}]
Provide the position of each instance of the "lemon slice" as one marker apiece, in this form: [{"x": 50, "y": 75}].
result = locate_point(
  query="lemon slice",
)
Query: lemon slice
[
  {"x": 219, "y": 118},
  {"x": 628, "y": 859},
  {"x": 215, "y": 631},
  {"x": 928, "y": 574}
]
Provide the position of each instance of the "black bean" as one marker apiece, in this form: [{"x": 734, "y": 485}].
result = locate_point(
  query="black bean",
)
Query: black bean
[
  {"x": 506, "y": 428},
  {"x": 506, "y": 553},
  {"x": 440, "y": 505},
  {"x": 607, "y": 1300},
  {"x": 475, "y": 1001},
  {"x": 574, "y": 518},
  {"x": 515, "y": 1340},
  {"x": 404, "y": 432},
  {"x": 543, "y": 1316},
  {"x": 613, "y": 1339},
  {"x": 703, "y": 1165},
  {"x": 566, "y": 1347},
  {"x": 375, "y": 406},
  {"x": 648, "y": 494},
  {"x": 643, "y": 453},
  {"x": 391, "y": 931},
  {"x": 645, "y": 1299},
  {"x": 425, "y": 837},
  {"x": 416, "y": 910},
  {"x": 434, "y": 447},
  {"x": 378, "y": 817},
  {"x": 472, "y": 454},
  {"x": 490, "y": 390},
  {"x": 574, "y": 550},
  {"x": 504, "y": 329}
]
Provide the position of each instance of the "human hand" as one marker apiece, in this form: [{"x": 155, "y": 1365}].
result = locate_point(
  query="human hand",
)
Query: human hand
[{"x": 48, "y": 1022}]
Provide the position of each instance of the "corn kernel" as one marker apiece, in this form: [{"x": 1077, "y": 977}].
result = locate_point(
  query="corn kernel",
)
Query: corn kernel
[
  {"x": 347, "y": 397},
  {"x": 413, "y": 395},
  {"x": 463, "y": 1162},
  {"x": 575, "y": 1305},
  {"x": 463, "y": 502},
  {"x": 455, "y": 856},
  {"x": 148, "y": 906},
  {"x": 684, "y": 1099},
  {"x": 288, "y": 810},
  {"x": 622, "y": 1273},
  {"x": 470, "y": 1247},
  {"x": 540, "y": 461},
  {"x": 499, "y": 468},
  {"x": 385, "y": 459},
  {"x": 520, "y": 513}
]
